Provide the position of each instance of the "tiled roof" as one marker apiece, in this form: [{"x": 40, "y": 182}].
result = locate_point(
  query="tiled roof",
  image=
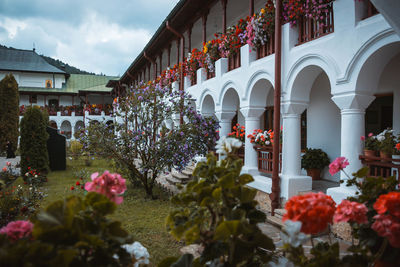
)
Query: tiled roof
[
  {"x": 76, "y": 83},
  {"x": 25, "y": 60}
]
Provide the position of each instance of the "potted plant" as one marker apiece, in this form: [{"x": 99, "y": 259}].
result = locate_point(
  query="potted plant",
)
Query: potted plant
[
  {"x": 314, "y": 160},
  {"x": 386, "y": 143},
  {"x": 370, "y": 145}
]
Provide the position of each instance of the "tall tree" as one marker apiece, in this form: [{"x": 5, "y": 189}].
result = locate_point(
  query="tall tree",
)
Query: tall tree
[
  {"x": 34, "y": 140},
  {"x": 9, "y": 112}
]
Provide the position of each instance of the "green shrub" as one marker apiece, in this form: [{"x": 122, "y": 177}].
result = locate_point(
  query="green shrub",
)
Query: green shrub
[
  {"x": 9, "y": 112},
  {"x": 314, "y": 159},
  {"x": 76, "y": 148},
  {"x": 218, "y": 211},
  {"x": 34, "y": 141}
]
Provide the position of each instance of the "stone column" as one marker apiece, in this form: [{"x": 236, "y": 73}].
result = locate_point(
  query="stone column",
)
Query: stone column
[
  {"x": 73, "y": 131},
  {"x": 225, "y": 121},
  {"x": 292, "y": 181},
  {"x": 352, "y": 109},
  {"x": 252, "y": 122}
]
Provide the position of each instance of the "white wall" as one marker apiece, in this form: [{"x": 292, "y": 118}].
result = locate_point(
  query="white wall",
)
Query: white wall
[{"x": 323, "y": 122}]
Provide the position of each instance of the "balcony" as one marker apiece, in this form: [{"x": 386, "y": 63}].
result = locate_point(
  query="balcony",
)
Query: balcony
[
  {"x": 234, "y": 61},
  {"x": 265, "y": 155},
  {"x": 210, "y": 74},
  {"x": 311, "y": 29},
  {"x": 381, "y": 167},
  {"x": 267, "y": 49}
]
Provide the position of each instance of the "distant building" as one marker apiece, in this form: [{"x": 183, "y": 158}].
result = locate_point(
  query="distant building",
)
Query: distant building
[{"x": 72, "y": 100}]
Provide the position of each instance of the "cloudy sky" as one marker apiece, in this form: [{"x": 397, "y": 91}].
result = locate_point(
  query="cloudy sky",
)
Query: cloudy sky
[{"x": 101, "y": 36}]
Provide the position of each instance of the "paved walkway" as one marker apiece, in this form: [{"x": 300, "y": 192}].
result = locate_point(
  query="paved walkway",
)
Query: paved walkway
[{"x": 14, "y": 161}]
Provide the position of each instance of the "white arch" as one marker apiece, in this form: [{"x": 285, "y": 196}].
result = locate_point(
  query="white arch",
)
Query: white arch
[
  {"x": 208, "y": 105},
  {"x": 227, "y": 85},
  {"x": 203, "y": 95},
  {"x": 314, "y": 64},
  {"x": 373, "y": 44},
  {"x": 254, "y": 78}
]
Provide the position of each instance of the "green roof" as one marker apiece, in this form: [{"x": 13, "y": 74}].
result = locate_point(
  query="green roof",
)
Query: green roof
[
  {"x": 76, "y": 83},
  {"x": 85, "y": 82}
]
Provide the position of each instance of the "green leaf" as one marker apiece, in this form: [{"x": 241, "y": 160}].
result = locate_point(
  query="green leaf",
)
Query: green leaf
[
  {"x": 245, "y": 179},
  {"x": 226, "y": 229},
  {"x": 361, "y": 173},
  {"x": 227, "y": 181}
]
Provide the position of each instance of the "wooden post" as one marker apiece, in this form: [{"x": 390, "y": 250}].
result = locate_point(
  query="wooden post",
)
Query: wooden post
[
  {"x": 251, "y": 8},
  {"x": 275, "y": 195},
  {"x": 177, "y": 51},
  {"x": 149, "y": 66},
  {"x": 190, "y": 38},
  {"x": 161, "y": 63},
  {"x": 204, "y": 32},
  {"x": 169, "y": 55},
  {"x": 223, "y": 2}
]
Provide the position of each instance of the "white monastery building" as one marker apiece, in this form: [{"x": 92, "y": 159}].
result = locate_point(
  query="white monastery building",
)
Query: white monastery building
[
  {"x": 338, "y": 82},
  {"x": 72, "y": 100}
]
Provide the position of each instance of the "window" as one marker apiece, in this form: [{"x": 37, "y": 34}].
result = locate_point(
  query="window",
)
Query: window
[
  {"x": 33, "y": 99},
  {"x": 49, "y": 84},
  {"x": 303, "y": 129}
]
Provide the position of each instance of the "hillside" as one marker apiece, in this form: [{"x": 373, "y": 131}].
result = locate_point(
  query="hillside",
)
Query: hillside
[{"x": 59, "y": 64}]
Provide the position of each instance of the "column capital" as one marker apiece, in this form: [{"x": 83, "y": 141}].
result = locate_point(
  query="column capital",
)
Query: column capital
[
  {"x": 352, "y": 100},
  {"x": 252, "y": 112},
  {"x": 293, "y": 107},
  {"x": 223, "y": 115}
]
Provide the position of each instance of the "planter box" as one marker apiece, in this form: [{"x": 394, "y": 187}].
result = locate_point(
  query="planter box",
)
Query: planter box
[{"x": 265, "y": 156}]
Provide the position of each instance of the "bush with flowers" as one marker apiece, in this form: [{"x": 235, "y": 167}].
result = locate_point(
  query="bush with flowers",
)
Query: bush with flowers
[
  {"x": 7, "y": 175},
  {"x": 294, "y": 10},
  {"x": 138, "y": 146},
  {"x": 34, "y": 178},
  {"x": 262, "y": 138},
  {"x": 74, "y": 231},
  {"x": 386, "y": 141},
  {"x": 370, "y": 142},
  {"x": 238, "y": 132},
  {"x": 261, "y": 26}
]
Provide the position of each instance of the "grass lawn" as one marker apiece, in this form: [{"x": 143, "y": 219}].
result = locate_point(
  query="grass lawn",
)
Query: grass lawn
[{"x": 143, "y": 218}]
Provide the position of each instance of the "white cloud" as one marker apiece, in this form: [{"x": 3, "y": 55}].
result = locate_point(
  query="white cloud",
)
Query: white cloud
[{"x": 96, "y": 45}]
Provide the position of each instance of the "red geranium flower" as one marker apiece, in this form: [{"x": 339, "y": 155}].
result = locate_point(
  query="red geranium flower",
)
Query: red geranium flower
[
  {"x": 349, "y": 211},
  {"x": 72, "y": 188},
  {"x": 388, "y": 203},
  {"x": 77, "y": 183},
  {"x": 314, "y": 210}
]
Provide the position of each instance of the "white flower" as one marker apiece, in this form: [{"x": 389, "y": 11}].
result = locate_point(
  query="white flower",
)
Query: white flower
[
  {"x": 380, "y": 138},
  {"x": 291, "y": 234},
  {"x": 225, "y": 145},
  {"x": 139, "y": 252},
  {"x": 35, "y": 175},
  {"x": 27, "y": 174}
]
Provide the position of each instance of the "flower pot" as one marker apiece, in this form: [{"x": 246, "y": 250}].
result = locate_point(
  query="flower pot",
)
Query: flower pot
[
  {"x": 369, "y": 153},
  {"x": 385, "y": 156},
  {"x": 314, "y": 173}
]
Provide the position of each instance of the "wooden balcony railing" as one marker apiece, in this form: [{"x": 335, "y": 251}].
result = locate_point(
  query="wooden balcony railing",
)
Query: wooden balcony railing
[
  {"x": 381, "y": 167},
  {"x": 371, "y": 10},
  {"x": 234, "y": 61},
  {"x": 310, "y": 29},
  {"x": 193, "y": 79},
  {"x": 267, "y": 49},
  {"x": 210, "y": 74},
  {"x": 264, "y": 154}
]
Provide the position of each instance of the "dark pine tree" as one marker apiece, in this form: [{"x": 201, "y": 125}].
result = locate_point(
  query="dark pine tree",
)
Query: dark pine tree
[
  {"x": 34, "y": 140},
  {"x": 9, "y": 112}
]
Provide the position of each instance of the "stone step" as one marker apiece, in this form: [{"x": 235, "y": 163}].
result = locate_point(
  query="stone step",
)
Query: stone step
[
  {"x": 190, "y": 168},
  {"x": 173, "y": 181},
  {"x": 180, "y": 176},
  {"x": 187, "y": 172},
  {"x": 279, "y": 213},
  {"x": 275, "y": 221}
]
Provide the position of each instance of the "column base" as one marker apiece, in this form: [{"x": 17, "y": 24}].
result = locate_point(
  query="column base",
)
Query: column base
[
  {"x": 250, "y": 170},
  {"x": 341, "y": 192},
  {"x": 291, "y": 185},
  {"x": 261, "y": 183}
]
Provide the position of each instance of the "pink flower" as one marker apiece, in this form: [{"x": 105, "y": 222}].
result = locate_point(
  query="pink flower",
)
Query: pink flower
[
  {"x": 109, "y": 184},
  {"x": 387, "y": 226},
  {"x": 338, "y": 164},
  {"x": 349, "y": 211},
  {"x": 362, "y": 138},
  {"x": 370, "y": 134},
  {"x": 17, "y": 230},
  {"x": 8, "y": 163}
]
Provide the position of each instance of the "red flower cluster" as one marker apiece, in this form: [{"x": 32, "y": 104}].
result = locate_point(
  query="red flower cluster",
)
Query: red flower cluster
[
  {"x": 314, "y": 210},
  {"x": 350, "y": 211},
  {"x": 238, "y": 132},
  {"x": 387, "y": 222}
]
